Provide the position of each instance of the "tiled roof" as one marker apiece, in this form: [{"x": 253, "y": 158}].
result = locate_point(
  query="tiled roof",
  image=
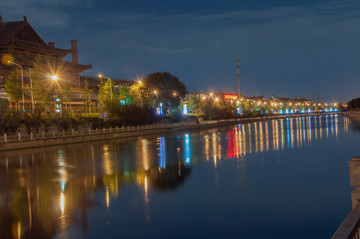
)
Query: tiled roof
[{"x": 8, "y": 29}]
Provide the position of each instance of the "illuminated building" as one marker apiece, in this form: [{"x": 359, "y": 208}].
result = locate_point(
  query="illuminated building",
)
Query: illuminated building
[{"x": 21, "y": 44}]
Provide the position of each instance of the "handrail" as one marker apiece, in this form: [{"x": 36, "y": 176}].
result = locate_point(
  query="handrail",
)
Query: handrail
[{"x": 350, "y": 227}]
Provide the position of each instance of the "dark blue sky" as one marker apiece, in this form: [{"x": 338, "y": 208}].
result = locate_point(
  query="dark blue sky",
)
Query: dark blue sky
[{"x": 297, "y": 49}]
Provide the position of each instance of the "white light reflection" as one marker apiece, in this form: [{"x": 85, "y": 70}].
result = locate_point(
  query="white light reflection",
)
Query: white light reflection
[
  {"x": 62, "y": 202},
  {"x": 146, "y": 197}
]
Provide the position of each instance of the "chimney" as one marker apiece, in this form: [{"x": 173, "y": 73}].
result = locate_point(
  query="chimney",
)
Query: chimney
[
  {"x": 52, "y": 44},
  {"x": 74, "y": 52},
  {"x": 75, "y": 60}
]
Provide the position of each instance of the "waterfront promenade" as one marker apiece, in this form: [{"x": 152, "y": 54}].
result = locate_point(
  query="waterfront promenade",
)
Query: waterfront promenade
[{"x": 43, "y": 139}]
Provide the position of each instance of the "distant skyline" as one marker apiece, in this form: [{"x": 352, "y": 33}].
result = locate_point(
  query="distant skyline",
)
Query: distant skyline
[{"x": 290, "y": 49}]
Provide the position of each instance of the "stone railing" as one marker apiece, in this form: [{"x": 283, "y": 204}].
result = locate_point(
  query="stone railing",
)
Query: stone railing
[{"x": 350, "y": 227}]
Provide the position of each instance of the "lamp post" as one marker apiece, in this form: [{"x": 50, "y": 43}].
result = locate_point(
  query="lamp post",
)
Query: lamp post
[
  {"x": 22, "y": 82},
  {"x": 55, "y": 78}
]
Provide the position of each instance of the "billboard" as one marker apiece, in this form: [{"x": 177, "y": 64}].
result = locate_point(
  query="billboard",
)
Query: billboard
[{"x": 230, "y": 97}]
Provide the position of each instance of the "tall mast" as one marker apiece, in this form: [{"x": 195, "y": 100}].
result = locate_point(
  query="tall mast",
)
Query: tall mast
[{"x": 238, "y": 76}]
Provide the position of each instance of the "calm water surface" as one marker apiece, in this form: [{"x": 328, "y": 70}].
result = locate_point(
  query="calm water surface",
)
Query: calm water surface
[{"x": 285, "y": 178}]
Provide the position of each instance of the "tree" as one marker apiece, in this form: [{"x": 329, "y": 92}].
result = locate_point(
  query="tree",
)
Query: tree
[
  {"x": 86, "y": 93},
  {"x": 67, "y": 94},
  {"x": 43, "y": 90},
  {"x": 124, "y": 94},
  {"x": 169, "y": 89},
  {"x": 13, "y": 88},
  {"x": 106, "y": 95},
  {"x": 139, "y": 93},
  {"x": 194, "y": 103},
  {"x": 354, "y": 104}
]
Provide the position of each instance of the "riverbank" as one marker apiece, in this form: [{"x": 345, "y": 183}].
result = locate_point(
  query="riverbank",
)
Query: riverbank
[
  {"x": 353, "y": 114},
  {"x": 73, "y": 137}
]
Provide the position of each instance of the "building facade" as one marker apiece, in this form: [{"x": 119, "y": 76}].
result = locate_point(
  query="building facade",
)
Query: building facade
[{"x": 20, "y": 43}]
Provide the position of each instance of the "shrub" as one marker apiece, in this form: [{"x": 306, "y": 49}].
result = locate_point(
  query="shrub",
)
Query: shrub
[{"x": 175, "y": 116}]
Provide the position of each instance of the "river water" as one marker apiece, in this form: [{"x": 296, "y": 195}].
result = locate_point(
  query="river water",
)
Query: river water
[{"x": 286, "y": 178}]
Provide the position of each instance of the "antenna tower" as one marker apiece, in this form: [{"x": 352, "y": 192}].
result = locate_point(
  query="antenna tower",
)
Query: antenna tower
[{"x": 238, "y": 77}]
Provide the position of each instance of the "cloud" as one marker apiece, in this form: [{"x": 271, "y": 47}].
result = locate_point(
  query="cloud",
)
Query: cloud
[
  {"x": 282, "y": 49},
  {"x": 42, "y": 13}
]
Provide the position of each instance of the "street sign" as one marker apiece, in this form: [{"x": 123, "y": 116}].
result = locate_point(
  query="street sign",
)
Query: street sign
[{"x": 103, "y": 115}]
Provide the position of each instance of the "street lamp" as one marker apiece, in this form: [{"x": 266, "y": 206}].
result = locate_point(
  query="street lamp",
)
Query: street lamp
[
  {"x": 22, "y": 83},
  {"x": 56, "y": 98}
]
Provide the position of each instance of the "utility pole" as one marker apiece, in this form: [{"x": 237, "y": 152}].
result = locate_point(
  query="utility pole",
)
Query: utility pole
[{"x": 238, "y": 77}]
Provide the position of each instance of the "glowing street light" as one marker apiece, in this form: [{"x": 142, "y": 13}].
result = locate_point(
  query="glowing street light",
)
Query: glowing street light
[
  {"x": 54, "y": 77},
  {"x": 57, "y": 98}
]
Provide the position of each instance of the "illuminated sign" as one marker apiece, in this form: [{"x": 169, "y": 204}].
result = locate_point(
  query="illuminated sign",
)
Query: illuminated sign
[
  {"x": 185, "y": 109},
  {"x": 159, "y": 109},
  {"x": 230, "y": 97}
]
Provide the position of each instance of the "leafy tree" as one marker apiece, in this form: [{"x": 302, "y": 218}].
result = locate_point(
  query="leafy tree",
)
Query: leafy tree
[
  {"x": 106, "y": 95},
  {"x": 67, "y": 94},
  {"x": 13, "y": 88},
  {"x": 11, "y": 123},
  {"x": 139, "y": 93},
  {"x": 208, "y": 109},
  {"x": 169, "y": 89},
  {"x": 32, "y": 122},
  {"x": 131, "y": 114},
  {"x": 47, "y": 120},
  {"x": 194, "y": 103},
  {"x": 86, "y": 93},
  {"x": 175, "y": 115},
  {"x": 354, "y": 104},
  {"x": 212, "y": 109},
  {"x": 43, "y": 89},
  {"x": 4, "y": 104},
  {"x": 124, "y": 93}
]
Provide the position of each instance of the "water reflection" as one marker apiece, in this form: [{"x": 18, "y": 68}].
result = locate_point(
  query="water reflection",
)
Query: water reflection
[
  {"x": 44, "y": 191},
  {"x": 280, "y": 134}
]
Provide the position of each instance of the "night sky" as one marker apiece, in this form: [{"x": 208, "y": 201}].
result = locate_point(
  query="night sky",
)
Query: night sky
[{"x": 297, "y": 48}]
